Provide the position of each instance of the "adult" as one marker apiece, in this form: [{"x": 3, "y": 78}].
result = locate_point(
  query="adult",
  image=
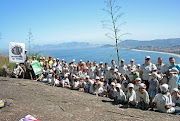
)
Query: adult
[
  {"x": 18, "y": 71},
  {"x": 172, "y": 64},
  {"x": 145, "y": 70},
  {"x": 162, "y": 70},
  {"x": 122, "y": 68}
]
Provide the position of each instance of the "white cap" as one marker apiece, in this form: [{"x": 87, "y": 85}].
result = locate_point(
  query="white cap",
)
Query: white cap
[
  {"x": 130, "y": 85},
  {"x": 43, "y": 57},
  {"x": 132, "y": 59},
  {"x": 57, "y": 58},
  {"x": 128, "y": 65},
  {"x": 73, "y": 60},
  {"x": 97, "y": 77},
  {"x": 80, "y": 60},
  {"x": 164, "y": 88},
  {"x": 147, "y": 57},
  {"x": 44, "y": 71},
  {"x": 142, "y": 85},
  {"x": 175, "y": 90},
  {"x": 77, "y": 77},
  {"x": 17, "y": 63},
  {"x": 87, "y": 77},
  {"x": 112, "y": 83},
  {"x": 154, "y": 74},
  {"x": 138, "y": 79},
  {"x": 74, "y": 75},
  {"x": 101, "y": 62},
  {"x": 40, "y": 58},
  {"x": 174, "y": 69},
  {"x": 46, "y": 60},
  {"x": 118, "y": 85},
  {"x": 155, "y": 68},
  {"x": 122, "y": 60},
  {"x": 138, "y": 65},
  {"x": 115, "y": 70},
  {"x": 102, "y": 77},
  {"x": 86, "y": 68},
  {"x": 66, "y": 75},
  {"x": 54, "y": 58},
  {"x": 125, "y": 81},
  {"x": 132, "y": 70},
  {"x": 62, "y": 59},
  {"x": 51, "y": 71}
]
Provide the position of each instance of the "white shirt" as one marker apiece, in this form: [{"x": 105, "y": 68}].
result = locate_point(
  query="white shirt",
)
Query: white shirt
[
  {"x": 146, "y": 69},
  {"x": 142, "y": 97},
  {"x": 107, "y": 72},
  {"x": 161, "y": 101},
  {"x": 120, "y": 95},
  {"x": 17, "y": 70},
  {"x": 131, "y": 96},
  {"x": 176, "y": 102},
  {"x": 123, "y": 69}
]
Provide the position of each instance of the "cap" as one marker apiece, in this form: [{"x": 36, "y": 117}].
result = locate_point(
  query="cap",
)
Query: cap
[
  {"x": 66, "y": 75},
  {"x": 40, "y": 58},
  {"x": 164, "y": 88},
  {"x": 73, "y": 60},
  {"x": 138, "y": 65},
  {"x": 57, "y": 58},
  {"x": 130, "y": 85},
  {"x": 34, "y": 56},
  {"x": 43, "y": 58},
  {"x": 132, "y": 70},
  {"x": 132, "y": 59},
  {"x": 97, "y": 77},
  {"x": 102, "y": 77},
  {"x": 87, "y": 77},
  {"x": 175, "y": 90},
  {"x": 147, "y": 57},
  {"x": 54, "y": 59},
  {"x": 118, "y": 85},
  {"x": 17, "y": 63},
  {"x": 138, "y": 79},
  {"x": 128, "y": 65},
  {"x": 154, "y": 74},
  {"x": 62, "y": 59},
  {"x": 113, "y": 84},
  {"x": 86, "y": 68},
  {"x": 50, "y": 56},
  {"x": 74, "y": 75},
  {"x": 80, "y": 60},
  {"x": 174, "y": 69},
  {"x": 142, "y": 85},
  {"x": 122, "y": 60},
  {"x": 125, "y": 81},
  {"x": 115, "y": 70},
  {"x": 46, "y": 60},
  {"x": 101, "y": 62}
]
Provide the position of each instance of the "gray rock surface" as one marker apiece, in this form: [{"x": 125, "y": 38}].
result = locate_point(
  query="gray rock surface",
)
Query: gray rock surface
[{"x": 49, "y": 103}]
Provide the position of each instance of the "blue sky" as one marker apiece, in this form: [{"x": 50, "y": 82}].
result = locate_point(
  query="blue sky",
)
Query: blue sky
[{"x": 58, "y": 21}]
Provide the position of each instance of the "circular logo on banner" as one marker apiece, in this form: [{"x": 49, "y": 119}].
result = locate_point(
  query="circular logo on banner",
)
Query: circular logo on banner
[{"x": 17, "y": 50}]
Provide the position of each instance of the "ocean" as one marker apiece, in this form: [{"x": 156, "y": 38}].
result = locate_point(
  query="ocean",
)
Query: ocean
[{"x": 107, "y": 54}]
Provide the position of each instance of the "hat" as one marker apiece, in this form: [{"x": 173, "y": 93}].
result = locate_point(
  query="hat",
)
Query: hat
[
  {"x": 25, "y": 50},
  {"x": 44, "y": 71},
  {"x": 122, "y": 60},
  {"x": 77, "y": 77},
  {"x": 43, "y": 58},
  {"x": 164, "y": 88},
  {"x": 102, "y": 77},
  {"x": 142, "y": 85},
  {"x": 97, "y": 77},
  {"x": 113, "y": 84},
  {"x": 138, "y": 79},
  {"x": 80, "y": 60},
  {"x": 115, "y": 70},
  {"x": 130, "y": 85},
  {"x": 74, "y": 75},
  {"x": 128, "y": 65},
  {"x": 17, "y": 63},
  {"x": 54, "y": 59},
  {"x": 34, "y": 56},
  {"x": 138, "y": 65},
  {"x": 73, "y": 60},
  {"x": 57, "y": 58},
  {"x": 62, "y": 59},
  {"x": 46, "y": 60},
  {"x": 175, "y": 90},
  {"x": 87, "y": 77},
  {"x": 86, "y": 68},
  {"x": 174, "y": 69},
  {"x": 50, "y": 56},
  {"x": 147, "y": 57},
  {"x": 125, "y": 81},
  {"x": 155, "y": 68},
  {"x": 118, "y": 85},
  {"x": 66, "y": 75},
  {"x": 40, "y": 58},
  {"x": 132, "y": 70},
  {"x": 154, "y": 74},
  {"x": 101, "y": 62},
  {"x": 132, "y": 59}
]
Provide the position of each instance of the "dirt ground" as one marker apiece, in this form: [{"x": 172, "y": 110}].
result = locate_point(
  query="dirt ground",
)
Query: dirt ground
[{"x": 49, "y": 103}]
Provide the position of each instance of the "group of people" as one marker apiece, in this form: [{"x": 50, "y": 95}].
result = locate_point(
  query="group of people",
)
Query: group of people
[{"x": 143, "y": 86}]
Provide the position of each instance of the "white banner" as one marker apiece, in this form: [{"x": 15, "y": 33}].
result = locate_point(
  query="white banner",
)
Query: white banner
[{"x": 16, "y": 52}]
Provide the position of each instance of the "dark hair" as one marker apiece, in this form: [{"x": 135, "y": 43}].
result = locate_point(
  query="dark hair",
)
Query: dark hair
[{"x": 171, "y": 58}]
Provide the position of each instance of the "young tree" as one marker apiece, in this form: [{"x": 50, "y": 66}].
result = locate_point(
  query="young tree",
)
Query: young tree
[
  {"x": 113, "y": 24},
  {"x": 30, "y": 41}
]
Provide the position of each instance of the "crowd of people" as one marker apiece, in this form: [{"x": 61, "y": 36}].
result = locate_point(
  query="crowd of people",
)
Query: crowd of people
[{"x": 143, "y": 86}]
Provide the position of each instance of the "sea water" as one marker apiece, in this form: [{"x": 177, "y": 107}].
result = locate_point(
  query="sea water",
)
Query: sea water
[{"x": 107, "y": 54}]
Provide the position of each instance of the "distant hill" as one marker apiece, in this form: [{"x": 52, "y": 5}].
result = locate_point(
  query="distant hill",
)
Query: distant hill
[
  {"x": 137, "y": 43},
  {"x": 67, "y": 45}
]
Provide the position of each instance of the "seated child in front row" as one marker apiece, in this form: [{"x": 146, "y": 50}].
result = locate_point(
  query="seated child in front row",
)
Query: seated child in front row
[
  {"x": 142, "y": 97},
  {"x": 120, "y": 97},
  {"x": 131, "y": 95},
  {"x": 176, "y": 97}
]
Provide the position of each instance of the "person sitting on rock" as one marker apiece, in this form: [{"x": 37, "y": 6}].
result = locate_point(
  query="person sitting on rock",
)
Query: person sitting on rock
[{"x": 17, "y": 72}]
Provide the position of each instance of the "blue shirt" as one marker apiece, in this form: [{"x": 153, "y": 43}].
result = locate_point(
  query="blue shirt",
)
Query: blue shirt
[{"x": 178, "y": 67}]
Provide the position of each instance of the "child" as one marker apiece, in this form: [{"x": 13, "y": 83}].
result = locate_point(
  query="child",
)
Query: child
[
  {"x": 153, "y": 86},
  {"x": 120, "y": 97},
  {"x": 173, "y": 80},
  {"x": 137, "y": 83},
  {"x": 124, "y": 86},
  {"x": 56, "y": 82},
  {"x": 106, "y": 88},
  {"x": 131, "y": 95},
  {"x": 112, "y": 90},
  {"x": 142, "y": 97},
  {"x": 176, "y": 97},
  {"x": 65, "y": 82}
]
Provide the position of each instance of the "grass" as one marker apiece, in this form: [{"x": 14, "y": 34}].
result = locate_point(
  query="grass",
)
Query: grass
[{"x": 4, "y": 60}]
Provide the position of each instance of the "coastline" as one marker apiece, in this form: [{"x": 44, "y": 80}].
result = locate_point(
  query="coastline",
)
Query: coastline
[{"x": 173, "y": 54}]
